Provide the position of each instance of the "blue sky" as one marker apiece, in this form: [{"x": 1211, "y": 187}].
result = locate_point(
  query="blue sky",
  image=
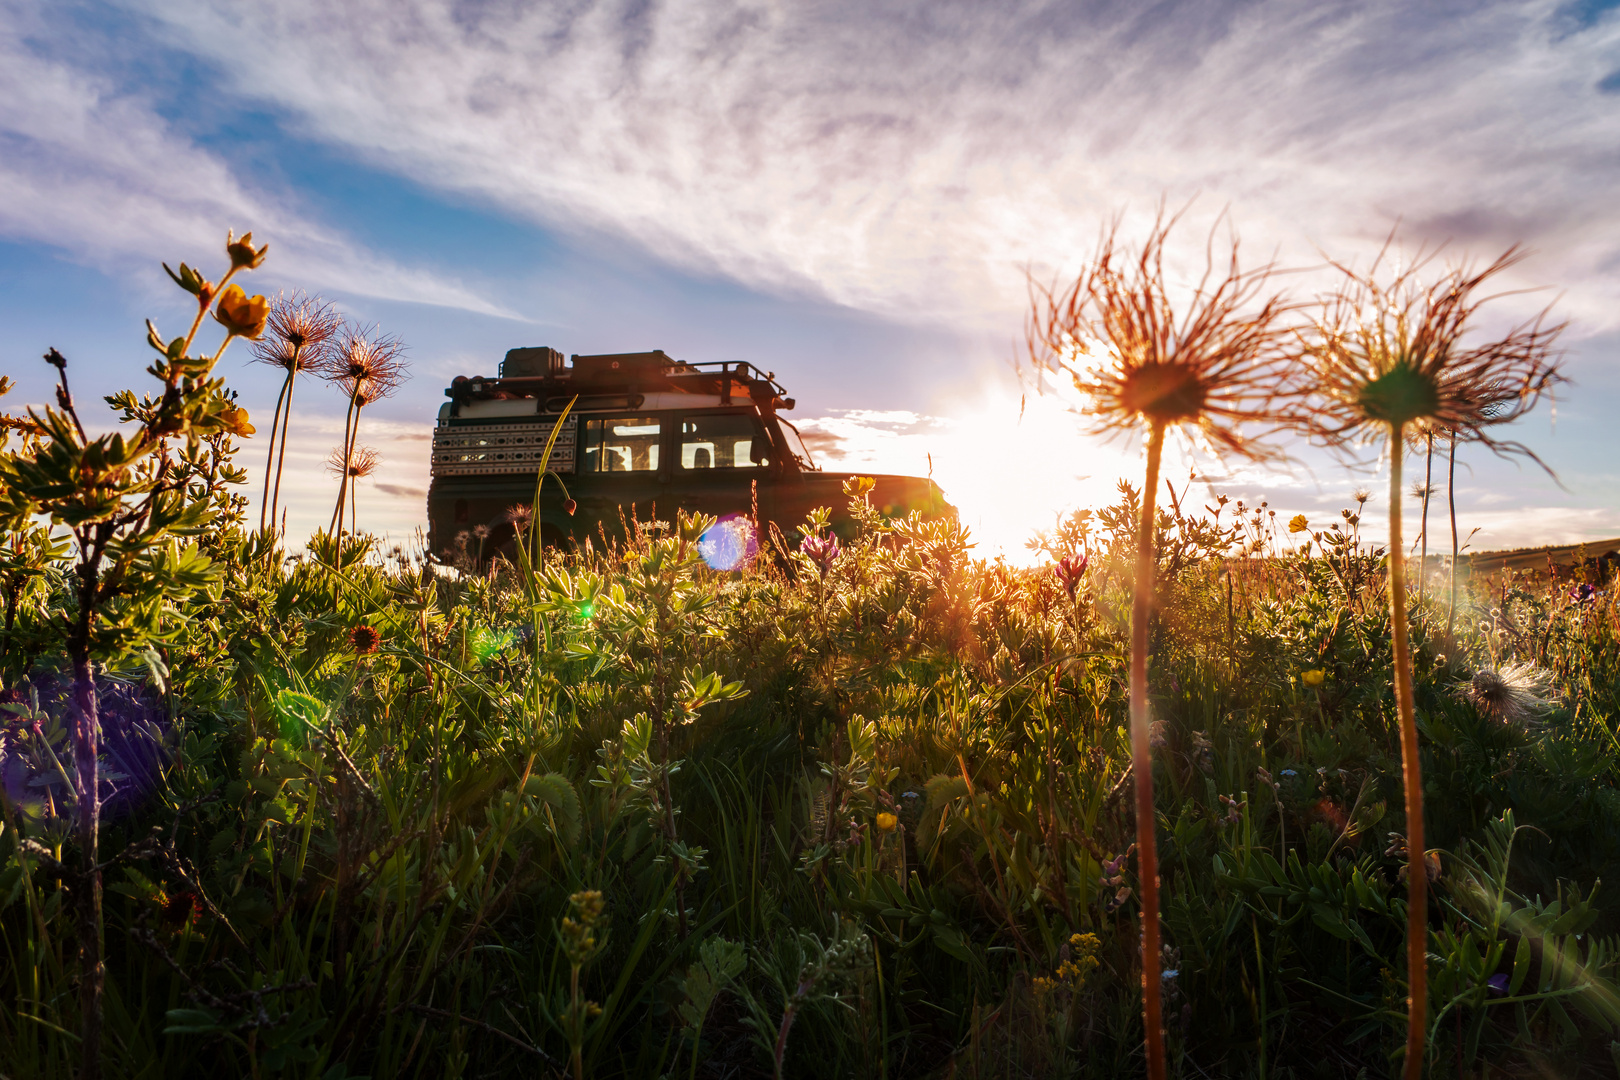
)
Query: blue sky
[{"x": 847, "y": 196}]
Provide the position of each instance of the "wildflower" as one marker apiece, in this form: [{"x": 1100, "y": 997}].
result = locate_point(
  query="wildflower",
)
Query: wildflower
[
  {"x": 1511, "y": 694},
  {"x": 1298, "y": 524},
  {"x": 244, "y": 256},
  {"x": 1389, "y": 360},
  {"x": 1582, "y": 593},
  {"x": 886, "y": 822},
  {"x": 181, "y": 907},
  {"x": 1203, "y": 753},
  {"x": 1205, "y": 367},
  {"x": 1313, "y": 678},
  {"x": 822, "y": 551},
  {"x": 366, "y": 362},
  {"x": 519, "y": 516},
  {"x": 569, "y": 506},
  {"x": 1498, "y": 985},
  {"x": 363, "y": 462},
  {"x": 240, "y": 314},
  {"x": 1069, "y": 571},
  {"x": 1234, "y": 810},
  {"x": 299, "y": 332},
  {"x": 578, "y": 930},
  {"x": 235, "y": 421},
  {"x": 364, "y": 639}
]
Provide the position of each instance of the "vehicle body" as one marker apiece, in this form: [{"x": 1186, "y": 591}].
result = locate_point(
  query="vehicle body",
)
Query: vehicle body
[{"x": 646, "y": 436}]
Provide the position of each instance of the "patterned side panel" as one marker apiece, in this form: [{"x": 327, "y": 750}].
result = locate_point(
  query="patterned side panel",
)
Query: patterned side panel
[{"x": 492, "y": 449}]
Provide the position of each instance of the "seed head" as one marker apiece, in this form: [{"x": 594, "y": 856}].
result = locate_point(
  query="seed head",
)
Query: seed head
[
  {"x": 366, "y": 364},
  {"x": 299, "y": 334},
  {"x": 1512, "y": 694},
  {"x": 1387, "y": 351},
  {"x": 1211, "y": 362},
  {"x": 363, "y": 462}
]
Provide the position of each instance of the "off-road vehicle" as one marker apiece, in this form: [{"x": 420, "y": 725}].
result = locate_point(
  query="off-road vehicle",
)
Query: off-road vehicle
[{"x": 647, "y": 436}]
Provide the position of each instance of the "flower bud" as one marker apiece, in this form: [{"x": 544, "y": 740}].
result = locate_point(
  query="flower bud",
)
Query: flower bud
[
  {"x": 569, "y": 505},
  {"x": 242, "y": 315},
  {"x": 244, "y": 256}
]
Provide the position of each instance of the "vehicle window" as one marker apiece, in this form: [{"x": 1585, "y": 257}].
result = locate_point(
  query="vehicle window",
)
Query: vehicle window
[
  {"x": 796, "y": 443},
  {"x": 726, "y": 441},
  {"x": 622, "y": 444}
]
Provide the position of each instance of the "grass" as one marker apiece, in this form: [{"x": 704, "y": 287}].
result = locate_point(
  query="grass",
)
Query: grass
[{"x": 357, "y": 863}]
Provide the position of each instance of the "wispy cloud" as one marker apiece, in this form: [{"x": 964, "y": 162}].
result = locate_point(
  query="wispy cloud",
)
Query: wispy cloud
[
  {"x": 91, "y": 168},
  {"x": 915, "y": 158}
]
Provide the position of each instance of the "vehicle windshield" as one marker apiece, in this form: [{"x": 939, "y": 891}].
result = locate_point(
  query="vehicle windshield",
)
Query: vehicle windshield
[{"x": 795, "y": 444}]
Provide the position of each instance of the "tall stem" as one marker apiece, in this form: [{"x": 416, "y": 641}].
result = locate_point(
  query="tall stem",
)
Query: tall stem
[
  {"x": 1451, "y": 499},
  {"x": 350, "y": 420},
  {"x": 1417, "y": 878},
  {"x": 281, "y": 455},
  {"x": 270, "y": 459},
  {"x": 1423, "y": 531},
  {"x": 1147, "y": 858},
  {"x": 87, "y": 790}
]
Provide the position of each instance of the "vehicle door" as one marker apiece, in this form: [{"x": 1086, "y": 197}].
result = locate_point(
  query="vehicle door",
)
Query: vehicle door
[
  {"x": 721, "y": 457},
  {"x": 621, "y": 472}
]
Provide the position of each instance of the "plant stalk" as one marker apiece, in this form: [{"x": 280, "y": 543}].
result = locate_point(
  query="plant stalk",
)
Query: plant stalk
[
  {"x": 1142, "y": 765},
  {"x": 1451, "y": 499},
  {"x": 1417, "y": 877}
]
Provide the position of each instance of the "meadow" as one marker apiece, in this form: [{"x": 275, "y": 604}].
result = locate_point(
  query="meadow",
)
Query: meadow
[{"x": 858, "y": 808}]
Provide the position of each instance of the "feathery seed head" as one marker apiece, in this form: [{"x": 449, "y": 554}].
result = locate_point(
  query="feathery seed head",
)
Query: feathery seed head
[{"x": 1211, "y": 362}]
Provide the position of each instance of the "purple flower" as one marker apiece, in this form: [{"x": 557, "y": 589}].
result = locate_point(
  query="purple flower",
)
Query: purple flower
[
  {"x": 822, "y": 551},
  {"x": 1498, "y": 985},
  {"x": 1582, "y": 594},
  {"x": 1069, "y": 571}
]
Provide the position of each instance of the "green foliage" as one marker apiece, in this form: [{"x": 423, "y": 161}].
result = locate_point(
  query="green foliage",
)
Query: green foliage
[{"x": 864, "y": 814}]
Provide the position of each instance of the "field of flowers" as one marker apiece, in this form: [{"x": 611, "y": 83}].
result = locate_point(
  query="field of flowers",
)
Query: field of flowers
[{"x": 855, "y": 809}]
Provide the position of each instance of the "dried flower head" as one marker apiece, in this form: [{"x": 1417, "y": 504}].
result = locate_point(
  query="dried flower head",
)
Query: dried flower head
[
  {"x": 1388, "y": 354},
  {"x": 364, "y": 639},
  {"x": 366, "y": 364},
  {"x": 1512, "y": 694},
  {"x": 1213, "y": 362},
  {"x": 300, "y": 331},
  {"x": 363, "y": 462}
]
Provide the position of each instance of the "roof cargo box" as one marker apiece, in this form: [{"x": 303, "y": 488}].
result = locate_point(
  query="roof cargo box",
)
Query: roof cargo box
[
  {"x": 531, "y": 363},
  {"x": 620, "y": 368}
]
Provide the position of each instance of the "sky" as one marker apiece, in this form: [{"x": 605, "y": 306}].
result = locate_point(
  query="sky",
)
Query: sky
[{"x": 854, "y": 196}]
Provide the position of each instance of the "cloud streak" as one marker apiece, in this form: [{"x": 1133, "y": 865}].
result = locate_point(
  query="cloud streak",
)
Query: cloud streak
[
  {"x": 89, "y": 168},
  {"x": 913, "y": 159}
]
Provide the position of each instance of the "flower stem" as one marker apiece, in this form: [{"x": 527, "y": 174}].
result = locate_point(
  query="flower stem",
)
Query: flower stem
[
  {"x": 265, "y": 505},
  {"x": 1147, "y": 859},
  {"x": 1417, "y": 877}
]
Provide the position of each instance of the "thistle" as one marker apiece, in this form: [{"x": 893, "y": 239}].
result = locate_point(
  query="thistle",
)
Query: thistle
[
  {"x": 1389, "y": 361},
  {"x": 1207, "y": 365},
  {"x": 298, "y": 337}
]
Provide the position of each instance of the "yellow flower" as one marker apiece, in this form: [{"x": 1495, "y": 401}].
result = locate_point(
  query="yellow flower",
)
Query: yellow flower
[
  {"x": 236, "y": 421},
  {"x": 1298, "y": 524},
  {"x": 887, "y": 822},
  {"x": 244, "y": 256},
  {"x": 241, "y": 314},
  {"x": 1313, "y": 678}
]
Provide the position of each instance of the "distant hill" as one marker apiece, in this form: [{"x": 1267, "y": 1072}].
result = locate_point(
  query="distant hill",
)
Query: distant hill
[{"x": 1536, "y": 558}]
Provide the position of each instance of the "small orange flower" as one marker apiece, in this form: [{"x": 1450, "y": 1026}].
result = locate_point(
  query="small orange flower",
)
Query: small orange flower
[
  {"x": 240, "y": 314},
  {"x": 887, "y": 822},
  {"x": 235, "y": 421}
]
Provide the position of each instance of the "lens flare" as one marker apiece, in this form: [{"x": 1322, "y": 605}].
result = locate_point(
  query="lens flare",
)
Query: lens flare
[{"x": 729, "y": 543}]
